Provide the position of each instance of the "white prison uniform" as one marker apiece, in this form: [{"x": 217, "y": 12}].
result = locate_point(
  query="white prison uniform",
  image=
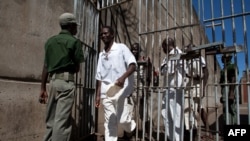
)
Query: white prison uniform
[
  {"x": 174, "y": 69},
  {"x": 192, "y": 94},
  {"x": 110, "y": 67}
]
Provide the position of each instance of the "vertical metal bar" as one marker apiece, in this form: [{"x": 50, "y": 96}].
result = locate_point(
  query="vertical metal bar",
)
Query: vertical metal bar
[
  {"x": 151, "y": 114},
  {"x": 152, "y": 48},
  {"x": 176, "y": 84},
  {"x": 203, "y": 11},
  {"x": 183, "y": 8},
  {"x": 215, "y": 70},
  {"x": 223, "y": 39},
  {"x": 182, "y": 37},
  {"x": 167, "y": 17},
  {"x": 144, "y": 97},
  {"x": 146, "y": 24},
  {"x": 235, "y": 58},
  {"x": 95, "y": 46},
  {"x": 137, "y": 95},
  {"x": 85, "y": 10},
  {"x": 75, "y": 6},
  {"x": 199, "y": 18},
  {"x": 159, "y": 62},
  {"x": 160, "y": 26},
  {"x": 204, "y": 93},
  {"x": 191, "y": 95},
  {"x": 158, "y": 115},
  {"x": 166, "y": 77},
  {"x": 153, "y": 35},
  {"x": 144, "y": 111},
  {"x": 76, "y": 113},
  {"x": 212, "y": 14},
  {"x": 246, "y": 58},
  {"x": 222, "y": 22},
  {"x": 175, "y": 22},
  {"x": 191, "y": 21},
  {"x": 98, "y": 4},
  {"x": 166, "y": 111},
  {"x": 92, "y": 42}
]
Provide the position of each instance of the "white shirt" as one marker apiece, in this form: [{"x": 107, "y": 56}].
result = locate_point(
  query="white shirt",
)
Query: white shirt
[
  {"x": 112, "y": 65},
  {"x": 173, "y": 69},
  {"x": 195, "y": 66}
]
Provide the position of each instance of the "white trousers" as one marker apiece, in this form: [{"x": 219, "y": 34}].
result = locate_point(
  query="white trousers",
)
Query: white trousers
[
  {"x": 117, "y": 112},
  {"x": 192, "y": 102},
  {"x": 172, "y": 114}
]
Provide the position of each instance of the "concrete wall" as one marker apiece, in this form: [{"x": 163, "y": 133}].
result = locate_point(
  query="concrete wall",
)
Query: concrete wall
[
  {"x": 25, "y": 25},
  {"x": 22, "y": 117}
]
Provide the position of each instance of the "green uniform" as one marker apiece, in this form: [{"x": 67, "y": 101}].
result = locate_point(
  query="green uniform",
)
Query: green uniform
[
  {"x": 231, "y": 68},
  {"x": 63, "y": 53}
]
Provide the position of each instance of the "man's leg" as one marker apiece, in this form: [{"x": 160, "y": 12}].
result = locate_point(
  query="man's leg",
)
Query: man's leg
[
  {"x": 125, "y": 114},
  {"x": 126, "y": 124},
  {"x": 110, "y": 123},
  {"x": 65, "y": 100},
  {"x": 50, "y": 112},
  {"x": 204, "y": 118}
]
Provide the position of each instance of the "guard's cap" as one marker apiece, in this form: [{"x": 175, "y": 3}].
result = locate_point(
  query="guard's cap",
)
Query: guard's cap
[{"x": 67, "y": 18}]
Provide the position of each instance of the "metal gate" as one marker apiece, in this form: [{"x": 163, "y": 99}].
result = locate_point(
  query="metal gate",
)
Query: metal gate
[
  {"x": 88, "y": 12},
  {"x": 84, "y": 113},
  {"x": 215, "y": 27}
]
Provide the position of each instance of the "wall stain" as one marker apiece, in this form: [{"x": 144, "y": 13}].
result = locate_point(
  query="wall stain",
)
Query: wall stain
[{"x": 20, "y": 2}]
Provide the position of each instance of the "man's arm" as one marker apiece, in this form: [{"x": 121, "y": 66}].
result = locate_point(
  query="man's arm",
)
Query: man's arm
[
  {"x": 231, "y": 95},
  {"x": 78, "y": 55},
  {"x": 43, "y": 94},
  {"x": 120, "y": 81},
  {"x": 98, "y": 94}
]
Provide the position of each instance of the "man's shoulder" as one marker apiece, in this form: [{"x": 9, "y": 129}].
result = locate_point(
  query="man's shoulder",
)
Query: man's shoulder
[
  {"x": 120, "y": 46},
  {"x": 231, "y": 66},
  {"x": 62, "y": 38}
]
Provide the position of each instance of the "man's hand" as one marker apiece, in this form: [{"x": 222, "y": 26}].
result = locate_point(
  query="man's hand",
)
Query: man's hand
[
  {"x": 43, "y": 97},
  {"x": 120, "y": 82},
  {"x": 97, "y": 102}
]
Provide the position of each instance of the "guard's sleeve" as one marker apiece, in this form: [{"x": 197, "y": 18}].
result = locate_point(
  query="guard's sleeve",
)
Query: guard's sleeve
[{"x": 78, "y": 55}]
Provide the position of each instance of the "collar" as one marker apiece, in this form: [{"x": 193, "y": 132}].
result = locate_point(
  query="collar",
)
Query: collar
[
  {"x": 63, "y": 31},
  {"x": 111, "y": 48},
  {"x": 175, "y": 50}
]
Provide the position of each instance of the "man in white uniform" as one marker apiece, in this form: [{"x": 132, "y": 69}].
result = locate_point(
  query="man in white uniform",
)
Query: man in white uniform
[
  {"x": 196, "y": 76},
  {"x": 116, "y": 65},
  {"x": 172, "y": 104}
]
